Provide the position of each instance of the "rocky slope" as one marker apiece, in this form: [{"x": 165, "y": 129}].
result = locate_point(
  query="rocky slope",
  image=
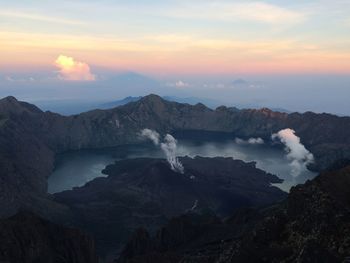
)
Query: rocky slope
[
  {"x": 26, "y": 238},
  {"x": 146, "y": 192},
  {"x": 312, "y": 225},
  {"x": 30, "y": 138},
  {"x": 25, "y": 159}
]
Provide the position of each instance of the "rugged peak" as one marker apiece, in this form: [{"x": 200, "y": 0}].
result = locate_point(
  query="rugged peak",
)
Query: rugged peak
[
  {"x": 150, "y": 104},
  {"x": 8, "y": 103},
  {"x": 9, "y": 99},
  {"x": 201, "y": 106},
  {"x": 265, "y": 109},
  {"x": 11, "y": 105},
  {"x": 152, "y": 98},
  {"x": 223, "y": 108},
  {"x": 262, "y": 110},
  {"x": 267, "y": 112}
]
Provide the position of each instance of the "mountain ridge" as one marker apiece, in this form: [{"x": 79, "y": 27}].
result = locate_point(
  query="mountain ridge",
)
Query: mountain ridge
[{"x": 30, "y": 138}]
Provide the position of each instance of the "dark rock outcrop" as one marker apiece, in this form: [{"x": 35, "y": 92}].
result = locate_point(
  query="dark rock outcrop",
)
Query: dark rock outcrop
[
  {"x": 312, "y": 225},
  {"x": 146, "y": 193},
  {"x": 26, "y": 238}
]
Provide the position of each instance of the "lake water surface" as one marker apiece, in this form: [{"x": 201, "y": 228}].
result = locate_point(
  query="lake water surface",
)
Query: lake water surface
[{"x": 77, "y": 168}]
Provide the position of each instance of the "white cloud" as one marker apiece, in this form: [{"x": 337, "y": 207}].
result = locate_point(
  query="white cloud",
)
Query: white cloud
[
  {"x": 19, "y": 79},
  {"x": 252, "y": 141},
  {"x": 70, "y": 69},
  {"x": 179, "y": 84}
]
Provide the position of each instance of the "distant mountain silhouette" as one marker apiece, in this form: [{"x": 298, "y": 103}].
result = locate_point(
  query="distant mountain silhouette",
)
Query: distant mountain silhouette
[
  {"x": 240, "y": 82},
  {"x": 117, "y": 103},
  {"x": 188, "y": 100}
]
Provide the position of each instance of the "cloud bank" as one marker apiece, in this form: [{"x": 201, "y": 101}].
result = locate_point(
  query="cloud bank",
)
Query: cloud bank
[
  {"x": 250, "y": 141},
  {"x": 298, "y": 155},
  {"x": 70, "y": 69},
  {"x": 169, "y": 147},
  {"x": 178, "y": 84}
]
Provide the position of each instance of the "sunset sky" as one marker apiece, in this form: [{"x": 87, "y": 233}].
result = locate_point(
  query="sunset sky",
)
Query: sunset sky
[
  {"x": 173, "y": 40},
  {"x": 179, "y": 36}
]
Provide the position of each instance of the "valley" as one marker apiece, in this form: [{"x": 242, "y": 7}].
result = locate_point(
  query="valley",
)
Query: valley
[
  {"x": 95, "y": 172},
  {"x": 78, "y": 167}
]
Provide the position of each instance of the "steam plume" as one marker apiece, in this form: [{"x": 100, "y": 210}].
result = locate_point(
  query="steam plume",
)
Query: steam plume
[
  {"x": 195, "y": 205},
  {"x": 168, "y": 146},
  {"x": 152, "y": 135},
  {"x": 250, "y": 141},
  {"x": 298, "y": 155}
]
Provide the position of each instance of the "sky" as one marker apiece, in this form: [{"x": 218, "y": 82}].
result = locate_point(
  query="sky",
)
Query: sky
[{"x": 53, "y": 49}]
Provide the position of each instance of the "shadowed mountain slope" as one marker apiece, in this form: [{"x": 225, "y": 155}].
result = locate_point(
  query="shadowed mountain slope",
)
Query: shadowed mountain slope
[
  {"x": 30, "y": 138},
  {"x": 312, "y": 225},
  {"x": 146, "y": 192},
  {"x": 26, "y": 238}
]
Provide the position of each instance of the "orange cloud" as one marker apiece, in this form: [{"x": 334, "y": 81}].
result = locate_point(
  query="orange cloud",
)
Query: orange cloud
[{"x": 71, "y": 69}]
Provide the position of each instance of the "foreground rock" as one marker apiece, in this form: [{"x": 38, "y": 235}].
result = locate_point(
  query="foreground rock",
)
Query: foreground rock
[
  {"x": 147, "y": 193},
  {"x": 312, "y": 225},
  {"x": 26, "y": 238}
]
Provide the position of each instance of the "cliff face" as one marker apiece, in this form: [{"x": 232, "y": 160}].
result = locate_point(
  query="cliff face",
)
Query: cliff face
[
  {"x": 146, "y": 192},
  {"x": 30, "y": 138},
  {"x": 26, "y": 238},
  {"x": 122, "y": 125},
  {"x": 324, "y": 135},
  {"x": 312, "y": 225}
]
